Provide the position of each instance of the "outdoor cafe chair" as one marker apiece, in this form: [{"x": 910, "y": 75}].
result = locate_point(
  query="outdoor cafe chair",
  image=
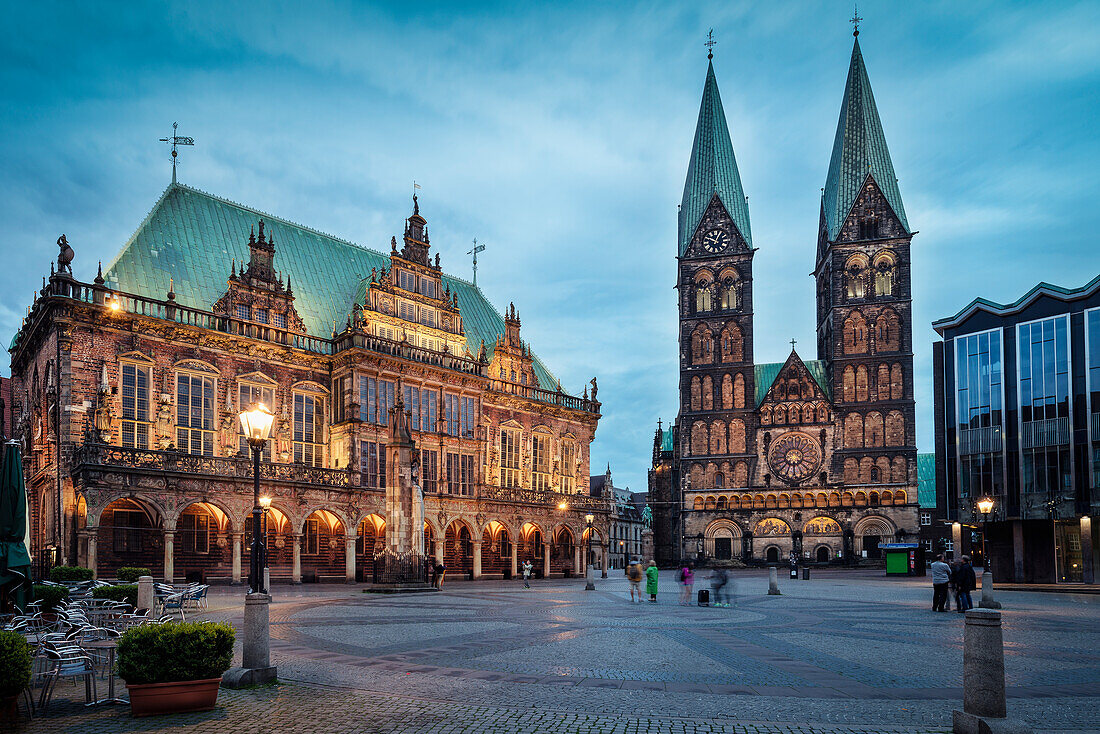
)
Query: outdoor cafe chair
[{"x": 70, "y": 662}]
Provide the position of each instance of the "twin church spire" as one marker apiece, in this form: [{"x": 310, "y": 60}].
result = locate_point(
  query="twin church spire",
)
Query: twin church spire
[{"x": 859, "y": 150}]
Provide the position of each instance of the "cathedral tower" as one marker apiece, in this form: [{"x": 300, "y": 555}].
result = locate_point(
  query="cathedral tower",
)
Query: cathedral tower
[
  {"x": 864, "y": 330},
  {"x": 717, "y": 423}
]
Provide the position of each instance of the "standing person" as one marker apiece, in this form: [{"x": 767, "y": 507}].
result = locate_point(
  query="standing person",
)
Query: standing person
[
  {"x": 687, "y": 583},
  {"x": 634, "y": 574},
  {"x": 941, "y": 577},
  {"x": 718, "y": 580},
  {"x": 651, "y": 581},
  {"x": 527, "y": 568},
  {"x": 965, "y": 582},
  {"x": 440, "y": 573}
]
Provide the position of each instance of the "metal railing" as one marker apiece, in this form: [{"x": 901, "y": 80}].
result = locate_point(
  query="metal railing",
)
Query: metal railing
[
  {"x": 400, "y": 568},
  {"x": 544, "y": 396},
  {"x": 545, "y": 499},
  {"x": 980, "y": 440},
  {"x": 1049, "y": 432}
]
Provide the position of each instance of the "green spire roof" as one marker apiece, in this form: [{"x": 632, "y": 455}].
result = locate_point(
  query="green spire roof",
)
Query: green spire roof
[
  {"x": 712, "y": 170},
  {"x": 858, "y": 150},
  {"x": 926, "y": 480},
  {"x": 193, "y": 237}
]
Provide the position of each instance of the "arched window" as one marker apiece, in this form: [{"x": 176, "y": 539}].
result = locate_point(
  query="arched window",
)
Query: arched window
[
  {"x": 855, "y": 276},
  {"x": 855, "y": 334},
  {"x": 708, "y": 393},
  {"x": 702, "y": 298},
  {"x": 702, "y": 345},
  {"x": 720, "y": 483},
  {"x": 884, "y": 267},
  {"x": 868, "y": 227},
  {"x": 737, "y": 436},
  {"x": 732, "y": 343},
  {"x": 728, "y": 295},
  {"x": 739, "y": 391},
  {"x": 888, "y": 331},
  {"x": 696, "y": 394},
  {"x": 698, "y": 504},
  {"x": 861, "y": 384}
]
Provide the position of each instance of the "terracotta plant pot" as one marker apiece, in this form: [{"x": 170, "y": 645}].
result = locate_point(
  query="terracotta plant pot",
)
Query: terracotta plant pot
[
  {"x": 9, "y": 708},
  {"x": 150, "y": 699}
]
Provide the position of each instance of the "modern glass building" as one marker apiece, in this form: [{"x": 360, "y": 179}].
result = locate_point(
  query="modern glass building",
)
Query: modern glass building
[{"x": 1017, "y": 413}]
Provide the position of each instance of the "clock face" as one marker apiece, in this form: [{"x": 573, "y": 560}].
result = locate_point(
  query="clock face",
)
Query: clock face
[
  {"x": 716, "y": 240},
  {"x": 794, "y": 456}
]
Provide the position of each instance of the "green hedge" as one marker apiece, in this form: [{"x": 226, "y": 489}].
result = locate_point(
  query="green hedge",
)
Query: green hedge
[
  {"x": 15, "y": 664},
  {"x": 122, "y": 592},
  {"x": 130, "y": 574},
  {"x": 175, "y": 651},
  {"x": 51, "y": 596},
  {"x": 59, "y": 574}
]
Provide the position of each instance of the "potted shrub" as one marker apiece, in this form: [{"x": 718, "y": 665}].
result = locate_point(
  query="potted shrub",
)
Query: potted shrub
[
  {"x": 15, "y": 672},
  {"x": 70, "y": 574},
  {"x": 121, "y": 592},
  {"x": 131, "y": 574},
  {"x": 175, "y": 667},
  {"x": 51, "y": 597}
]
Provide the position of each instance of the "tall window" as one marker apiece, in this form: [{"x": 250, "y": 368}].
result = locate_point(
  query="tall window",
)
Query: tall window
[
  {"x": 469, "y": 417},
  {"x": 728, "y": 294},
  {"x": 540, "y": 455},
  {"x": 429, "y": 470},
  {"x": 978, "y": 380},
  {"x": 1092, "y": 329},
  {"x": 126, "y": 534},
  {"x": 372, "y": 460},
  {"x": 412, "y": 404},
  {"x": 406, "y": 280},
  {"x": 407, "y": 310},
  {"x": 246, "y": 395},
  {"x": 568, "y": 460},
  {"x": 509, "y": 457},
  {"x": 135, "y": 406},
  {"x": 460, "y": 474},
  {"x": 454, "y": 414},
  {"x": 376, "y": 397},
  {"x": 195, "y": 414},
  {"x": 702, "y": 298},
  {"x": 428, "y": 414},
  {"x": 312, "y": 545},
  {"x": 1044, "y": 405},
  {"x": 193, "y": 533},
  {"x": 309, "y": 430}
]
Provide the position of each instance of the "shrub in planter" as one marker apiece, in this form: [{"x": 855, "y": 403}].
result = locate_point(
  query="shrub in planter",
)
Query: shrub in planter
[
  {"x": 15, "y": 664},
  {"x": 130, "y": 574},
  {"x": 122, "y": 592},
  {"x": 174, "y": 667},
  {"x": 59, "y": 574},
  {"x": 51, "y": 596}
]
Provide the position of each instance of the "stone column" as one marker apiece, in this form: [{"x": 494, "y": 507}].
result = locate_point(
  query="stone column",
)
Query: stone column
[
  {"x": 773, "y": 581},
  {"x": 957, "y": 538},
  {"x": 256, "y": 667},
  {"x": 349, "y": 559},
  {"x": 93, "y": 550},
  {"x": 578, "y": 566},
  {"x": 603, "y": 561},
  {"x": 296, "y": 567},
  {"x": 984, "y": 704},
  {"x": 515, "y": 560},
  {"x": 439, "y": 551},
  {"x": 1089, "y": 570},
  {"x": 546, "y": 560},
  {"x": 169, "y": 556},
  {"x": 235, "y": 540},
  {"x": 477, "y": 558},
  {"x": 145, "y": 595},
  {"x": 987, "y": 600}
]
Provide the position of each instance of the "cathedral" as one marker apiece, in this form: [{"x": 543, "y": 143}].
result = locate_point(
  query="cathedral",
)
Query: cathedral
[{"x": 815, "y": 457}]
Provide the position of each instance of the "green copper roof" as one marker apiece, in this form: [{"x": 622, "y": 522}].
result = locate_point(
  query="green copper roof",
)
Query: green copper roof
[
  {"x": 765, "y": 374},
  {"x": 926, "y": 480},
  {"x": 192, "y": 237},
  {"x": 859, "y": 149},
  {"x": 712, "y": 170}
]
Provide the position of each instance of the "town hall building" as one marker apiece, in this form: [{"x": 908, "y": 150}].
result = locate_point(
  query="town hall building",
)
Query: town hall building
[{"x": 811, "y": 456}]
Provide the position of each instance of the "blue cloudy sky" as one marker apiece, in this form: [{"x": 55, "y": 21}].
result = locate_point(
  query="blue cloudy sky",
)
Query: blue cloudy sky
[{"x": 558, "y": 134}]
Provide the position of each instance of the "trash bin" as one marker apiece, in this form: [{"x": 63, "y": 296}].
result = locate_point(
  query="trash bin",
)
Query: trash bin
[
  {"x": 794, "y": 572},
  {"x": 805, "y": 573},
  {"x": 704, "y": 597}
]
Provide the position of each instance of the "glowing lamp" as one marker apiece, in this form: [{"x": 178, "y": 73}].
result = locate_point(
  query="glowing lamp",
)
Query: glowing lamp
[
  {"x": 563, "y": 505},
  {"x": 589, "y": 518},
  {"x": 256, "y": 424},
  {"x": 115, "y": 304},
  {"x": 265, "y": 502},
  {"x": 985, "y": 505}
]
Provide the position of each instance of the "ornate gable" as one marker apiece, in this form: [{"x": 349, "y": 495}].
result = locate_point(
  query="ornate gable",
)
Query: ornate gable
[
  {"x": 794, "y": 383},
  {"x": 871, "y": 217},
  {"x": 255, "y": 295},
  {"x": 716, "y": 216}
]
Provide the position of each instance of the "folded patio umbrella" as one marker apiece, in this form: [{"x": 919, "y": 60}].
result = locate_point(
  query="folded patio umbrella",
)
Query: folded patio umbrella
[{"x": 15, "y": 560}]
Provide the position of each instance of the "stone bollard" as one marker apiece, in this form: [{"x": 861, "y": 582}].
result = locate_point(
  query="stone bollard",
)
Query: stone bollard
[
  {"x": 987, "y": 601},
  {"x": 984, "y": 703},
  {"x": 773, "y": 581},
  {"x": 267, "y": 580},
  {"x": 256, "y": 667},
  {"x": 145, "y": 595}
]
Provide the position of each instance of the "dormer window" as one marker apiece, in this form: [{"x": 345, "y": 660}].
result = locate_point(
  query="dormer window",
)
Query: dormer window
[
  {"x": 278, "y": 320},
  {"x": 406, "y": 280},
  {"x": 868, "y": 228},
  {"x": 260, "y": 315},
  {"x": 244, "y": 312}
]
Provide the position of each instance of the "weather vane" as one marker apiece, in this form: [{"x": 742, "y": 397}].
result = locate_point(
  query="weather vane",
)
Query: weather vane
[
  {"x": 710, "y": 43},
  {"x": 854, "y": 20},
  {"x": 477, "y": 248},
  {"x": 176, "y": 140}
]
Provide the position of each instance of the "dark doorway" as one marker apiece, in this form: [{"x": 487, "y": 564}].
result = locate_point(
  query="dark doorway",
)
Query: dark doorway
[
  {"x": 823, "y": 555},
  {"x": 723, "y": 549},
  {"x": 772, "y": 555},
  {"x": 870, "y": 545}
]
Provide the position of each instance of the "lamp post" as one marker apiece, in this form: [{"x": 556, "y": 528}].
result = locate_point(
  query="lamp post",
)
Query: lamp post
[
  {"x": 985, "y": 509},
  {"x": 256, "y": 424},
  {"x": 589, "y": 586},
  {"x": 265, "y": 505}
]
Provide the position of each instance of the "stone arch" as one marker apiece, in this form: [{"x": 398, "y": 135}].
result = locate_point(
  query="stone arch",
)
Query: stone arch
[
  {"x": 821, "y": 525},
  {"x": 732, "y": 343},
  {"x": 822, "y": 413},
  {"x": 884, "y": 267},
  {"x": 228, "y": 520},
  {"x": 129, "y": 531},
  {"x": 872, "y": 530},
  {"x": 862, "y": 384},
  {"x": 765, "y": 416},
  {"x": 697, "y": 504},
  {"x": 853, "y": 431},
  {"x": 855, "y": 275},
  {"x": 771, "y": 501},
  {"x": 848, "y": 384},
  {"x": 708, "y": 393},
  {"x": 723, "y": 502},
  {"x": 758, "y": 501},
  {"x": 784, "y": 501},
  {"x": 718, "y": 437},
  {"x": 737, "y": 436},
  {"x": 323, "y": 507},
  {"x": 883, "y": 383},
  {"x": 702, "y": 345},
  {"x": 855, "y": 334},
  {"x": 888, "y": 331},
  {"x": 895, "y": 428},
  {"x": 739, "y": 391},
  {"x": 771, "y": 526},
  {"x": 865, "y": 466},
  {"x": 727, "y": 392},
  {"x": 872, "y": 430},
  {"x": 897, "y": 382},
  {"x": 901, "y": 497},
  {"x": 847, "y": 499},
  {"x": 882, "y": 463},
  {"x": 887, "y": 497},
  {"x": 696, "y": 393},
  {"x": 699, "y": 438},
  {"x": 861, "y": 499},
  {"x": 711, "y": 503}
]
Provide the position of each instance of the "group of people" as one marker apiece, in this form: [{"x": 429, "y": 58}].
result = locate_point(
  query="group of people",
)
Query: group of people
[
  {"x": 958, "y": 577},
  {"x": 635, "y": 573}
]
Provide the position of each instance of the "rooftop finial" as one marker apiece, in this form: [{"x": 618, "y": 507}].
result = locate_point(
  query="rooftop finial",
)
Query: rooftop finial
[
  {"x": 176, "y": 140},
  {"x": 710, "y": 44},
  {"x": 855, "y": 20}
]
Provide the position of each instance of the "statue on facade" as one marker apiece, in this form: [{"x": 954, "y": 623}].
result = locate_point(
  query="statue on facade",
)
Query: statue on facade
[
  {"x": 283, "y": 438},
  {"x": 227, "y": 434},
  {"x": 593, "y": 383},
  {"x": 647, "y": 518},
  {"x": 65, "y": 256},
  {"x": 164, "y": 422},
  {"x": 104, "y": 417}
]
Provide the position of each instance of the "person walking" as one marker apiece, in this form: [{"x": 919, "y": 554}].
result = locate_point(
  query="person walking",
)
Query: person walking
[
  {"x": 527, "y": 568},
  {"x": 965, "y": 582},
  {"x": 718, "y": 580},
  {"x": 440, "y": 574},
  {"x": 634, "y": 575},
  {"x": 687, "y": 583},
  {"x": 651, "y": 581},
  {"x": 941, "y": 577}
]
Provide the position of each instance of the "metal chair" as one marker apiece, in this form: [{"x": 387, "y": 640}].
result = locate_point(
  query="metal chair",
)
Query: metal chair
[{"x": 71, "y": 662}]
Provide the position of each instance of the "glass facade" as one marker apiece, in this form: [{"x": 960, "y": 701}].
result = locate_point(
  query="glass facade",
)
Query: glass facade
[
  {"x": 1092, "y": 345},
  {"x": 979, "y": 401},
  {"x": 1044, "y": 368}
]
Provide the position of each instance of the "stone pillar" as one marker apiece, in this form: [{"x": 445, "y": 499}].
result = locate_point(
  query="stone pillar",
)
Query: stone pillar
[
  {"x": 515, "y": 560},
  {"x": 477, "y": 558},
  {"x": 578, "y": 567},
  {"x": 606, "y": 548},
  {"x": 93, "y": 550},
  {"x": 235, "y": 539},
  {"x": 546, "y": 560},
  {"x": 1089, "y": 570},
  {"x": 439, "y": 551},
  {"x": 773, "y": 581},
  {"x": 169, "y": 556},
  {"x": 349, "y": 559},
  {"x": 984, "y": 704},
  {"x": 145, "y": 595},
  {"x": 296, "y": 567},
  {"x": 987, "y": 601},
  {"x": 256, "y": 665},
  {"x": 957, "y": 539},
  {"x": 1018, "y": 552}
]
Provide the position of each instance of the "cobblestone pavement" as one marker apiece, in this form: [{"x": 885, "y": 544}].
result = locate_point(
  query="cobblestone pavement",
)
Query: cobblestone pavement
[{"x": 839, "y": 653}]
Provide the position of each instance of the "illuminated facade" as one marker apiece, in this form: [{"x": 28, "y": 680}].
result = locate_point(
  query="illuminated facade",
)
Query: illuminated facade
[
  {"x": 127, "y": 389},
  {"x": 815, "y": 457}
]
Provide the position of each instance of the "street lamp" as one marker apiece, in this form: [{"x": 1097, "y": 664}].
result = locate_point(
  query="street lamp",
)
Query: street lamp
[
  {"x": 265, "y": 505},
  {"x": 985, "y": 508},
  {"x": 589, "y": 586},
  {"x": 256, "y": 424}
]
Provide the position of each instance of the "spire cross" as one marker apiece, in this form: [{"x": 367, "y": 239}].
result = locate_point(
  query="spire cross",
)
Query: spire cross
[
  {"x": 793, "y": 342},
  {"x": 176, "y": 140},
  {"x": 855, "y": 20},
  {"x": 710, "y": 43}
]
